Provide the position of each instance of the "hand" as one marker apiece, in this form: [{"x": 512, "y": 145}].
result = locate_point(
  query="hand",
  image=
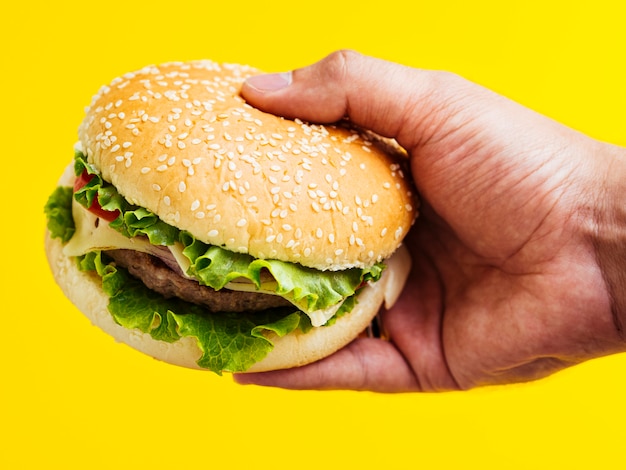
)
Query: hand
[{"x": 508, "y": 282}]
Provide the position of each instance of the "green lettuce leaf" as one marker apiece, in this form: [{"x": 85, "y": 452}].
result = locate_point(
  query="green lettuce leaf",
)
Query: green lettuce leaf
[
  {"x": 230, "y": 342},
  {"x": 58, "y": 210},
  {"x": 311, "y": 289}
]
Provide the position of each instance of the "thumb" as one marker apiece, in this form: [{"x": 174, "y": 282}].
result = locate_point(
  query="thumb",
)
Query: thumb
[{"x": 372, "y": 93}]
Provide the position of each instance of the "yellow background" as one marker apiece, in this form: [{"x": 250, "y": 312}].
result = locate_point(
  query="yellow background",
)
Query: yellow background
[{"x": 72, "y": 398}]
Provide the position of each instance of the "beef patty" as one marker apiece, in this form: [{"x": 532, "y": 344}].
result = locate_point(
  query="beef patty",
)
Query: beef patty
[{"x": 156, "y": 275}]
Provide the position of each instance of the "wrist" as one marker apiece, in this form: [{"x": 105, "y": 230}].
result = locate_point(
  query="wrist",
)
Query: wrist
[{"x": 609, "y": 237}]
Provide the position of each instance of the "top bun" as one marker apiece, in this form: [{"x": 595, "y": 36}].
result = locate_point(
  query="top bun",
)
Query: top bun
[{"x": 179, "y": 140}]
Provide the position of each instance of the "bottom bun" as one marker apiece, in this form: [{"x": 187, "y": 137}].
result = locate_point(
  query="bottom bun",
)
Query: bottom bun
[{"x": 84, "y": 290}]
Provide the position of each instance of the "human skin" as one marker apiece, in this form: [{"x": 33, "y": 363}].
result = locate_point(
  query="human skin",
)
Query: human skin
[{"x": 518, "y": 251}]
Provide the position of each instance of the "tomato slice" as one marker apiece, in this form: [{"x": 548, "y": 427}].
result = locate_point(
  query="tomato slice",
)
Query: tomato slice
[{"x": 95, "y": 208}]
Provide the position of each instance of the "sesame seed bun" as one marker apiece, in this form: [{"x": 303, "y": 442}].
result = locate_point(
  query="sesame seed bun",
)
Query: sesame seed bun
[
  {"x": 179, "y": 140},
  {"x": 84, "y": 290}
]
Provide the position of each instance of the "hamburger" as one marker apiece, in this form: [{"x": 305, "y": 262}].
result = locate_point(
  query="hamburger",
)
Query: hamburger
[{"x": 206, "y": 233}]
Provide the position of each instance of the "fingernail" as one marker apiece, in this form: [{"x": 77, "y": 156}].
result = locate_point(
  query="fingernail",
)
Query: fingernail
[{"x": 270, "y": 82}]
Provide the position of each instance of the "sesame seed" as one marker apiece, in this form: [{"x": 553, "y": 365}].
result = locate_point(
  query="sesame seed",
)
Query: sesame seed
[
  {"x": 213, "y": 233},
  {"x": 182, "y": 187},
  {"x": 242, "y": 222}
]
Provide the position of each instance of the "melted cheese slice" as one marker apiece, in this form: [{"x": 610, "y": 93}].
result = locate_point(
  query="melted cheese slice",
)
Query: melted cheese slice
[{"x": 93, "y": 233}]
